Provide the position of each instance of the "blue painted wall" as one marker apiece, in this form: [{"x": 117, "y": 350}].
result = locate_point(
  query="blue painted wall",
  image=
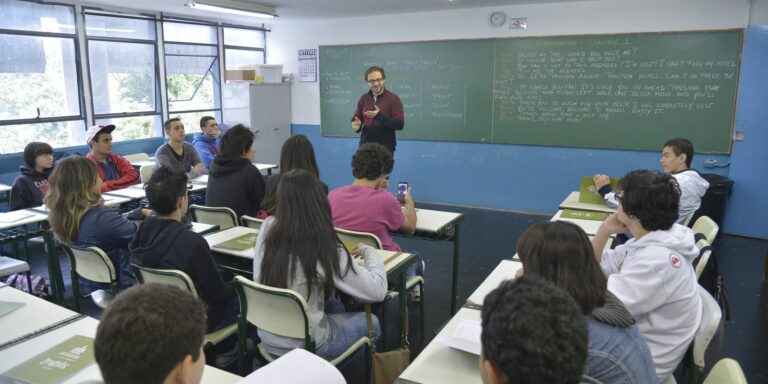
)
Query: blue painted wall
[
  {"x": 524, "y": 178},
  {"x": 747, "y": 212}
]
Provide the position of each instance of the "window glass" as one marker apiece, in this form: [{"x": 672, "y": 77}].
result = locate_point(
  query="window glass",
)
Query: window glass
[
  {"x": 136, "y": 127},
  {"x": 122, "y": 76},
  {"x": 119, "y": 27},
  {"x": 243, "y": 37},
  {"x": 190, "y": 83},
  {"x": 236, "y": 58},
  {"x": 36, "y": 17},
  {"x": 13, "y": 138},
  {"x": 39, "y": 75},
  {"x": 190, "y": 33}
]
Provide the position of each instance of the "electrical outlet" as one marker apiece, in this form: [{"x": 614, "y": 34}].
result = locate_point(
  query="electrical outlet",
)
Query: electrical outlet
[{"x": 710, "y": 163}]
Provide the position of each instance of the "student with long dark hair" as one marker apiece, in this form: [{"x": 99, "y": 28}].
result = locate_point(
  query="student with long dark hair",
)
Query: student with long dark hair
[
  {"x": 297, "y": 153},
  {"x": 30, "y": 187},
  {"x": 560, "y": 252},
  {"x": 233, "y": 181},
  {"x": 298, "y": 249}
]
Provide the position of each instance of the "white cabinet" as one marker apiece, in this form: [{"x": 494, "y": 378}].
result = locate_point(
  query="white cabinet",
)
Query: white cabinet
[{"x": 266, "y": 110}]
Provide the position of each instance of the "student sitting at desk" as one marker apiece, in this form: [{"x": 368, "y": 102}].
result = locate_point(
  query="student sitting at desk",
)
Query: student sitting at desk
[
  {"x": 234, "y": 182},
  {"x": 297, "y": 153},
  {"x": 29, "y": 188},
  {"x": 115, "y": 170},
  {"x": 367, "y": 206},
  {"x": 79, "y": 218},
  {"x": 298, "y": 249},
  {"x": 652, "y": 273},
  {"x": 177, "y": 153},
  {"x": 207, "y": 142},
  {"x": 533, "y": 332},
  {"x": 163, "y": 242},
  {"x": 560, "y": 252},
  {"x": 151, "y": 333},
  {"x": 676, "y": 160}
]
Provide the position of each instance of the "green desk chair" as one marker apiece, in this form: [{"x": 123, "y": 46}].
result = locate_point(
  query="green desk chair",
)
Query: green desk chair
[
  {"x": 182, "y": 281},
  {"x": 282, "y": 312},
  {"x": 224, "y": 217},
  {"x": 92, "y": 264}
]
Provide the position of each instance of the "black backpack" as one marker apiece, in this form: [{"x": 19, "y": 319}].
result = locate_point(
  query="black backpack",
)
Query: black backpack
[{"x": 711, "y": 279}]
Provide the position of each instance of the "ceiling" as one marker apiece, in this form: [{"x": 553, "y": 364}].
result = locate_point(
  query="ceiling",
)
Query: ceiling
[{"x": 292, "y": 10}]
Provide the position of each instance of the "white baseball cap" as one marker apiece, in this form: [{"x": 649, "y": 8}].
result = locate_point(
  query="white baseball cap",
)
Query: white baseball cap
[{"x": 95, "y": 130}]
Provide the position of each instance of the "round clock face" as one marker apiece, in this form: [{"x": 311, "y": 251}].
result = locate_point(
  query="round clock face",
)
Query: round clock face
[{"x": 498, "y": 18}]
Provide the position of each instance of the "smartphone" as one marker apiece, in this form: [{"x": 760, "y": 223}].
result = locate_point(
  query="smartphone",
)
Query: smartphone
[{"x": 402, "y": 189}]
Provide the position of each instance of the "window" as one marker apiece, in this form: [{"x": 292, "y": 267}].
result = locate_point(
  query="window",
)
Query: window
[
  {"x": 243, "y": 47},
  {"x": 123, "y": 72},
  {"x": 39, "y": 71},
  {"x": 192, "y": 75}
]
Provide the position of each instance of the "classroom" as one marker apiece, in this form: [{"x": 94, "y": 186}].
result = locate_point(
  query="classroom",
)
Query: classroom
[{"x": 500, "y": 188}]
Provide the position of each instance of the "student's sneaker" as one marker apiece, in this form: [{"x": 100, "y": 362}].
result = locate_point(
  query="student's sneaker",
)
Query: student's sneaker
[{"x": 228, "y": 358}]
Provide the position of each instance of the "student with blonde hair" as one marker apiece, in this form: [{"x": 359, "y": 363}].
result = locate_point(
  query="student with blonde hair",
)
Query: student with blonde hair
[{"x": 79, "y": 218}]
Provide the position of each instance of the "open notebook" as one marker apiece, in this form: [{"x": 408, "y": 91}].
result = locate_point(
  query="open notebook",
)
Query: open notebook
[{"x": 296, "y": 367}]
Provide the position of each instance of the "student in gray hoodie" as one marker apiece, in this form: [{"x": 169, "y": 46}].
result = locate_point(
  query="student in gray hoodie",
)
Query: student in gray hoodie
[{"x": 163, "y": 242}]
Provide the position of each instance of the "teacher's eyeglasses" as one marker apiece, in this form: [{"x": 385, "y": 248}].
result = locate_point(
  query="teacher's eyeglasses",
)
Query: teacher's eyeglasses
[{"x": 374, "y": 81}]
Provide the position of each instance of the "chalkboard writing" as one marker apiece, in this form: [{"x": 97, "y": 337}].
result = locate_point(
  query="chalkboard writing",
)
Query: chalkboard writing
[{"x": 621, "y": 91}]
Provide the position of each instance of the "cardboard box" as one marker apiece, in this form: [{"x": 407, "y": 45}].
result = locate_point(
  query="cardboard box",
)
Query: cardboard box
[{"x": 240, "y": 75}]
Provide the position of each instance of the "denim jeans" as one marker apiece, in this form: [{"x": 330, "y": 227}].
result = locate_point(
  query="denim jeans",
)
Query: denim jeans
[{"x": 345, "y": 328}]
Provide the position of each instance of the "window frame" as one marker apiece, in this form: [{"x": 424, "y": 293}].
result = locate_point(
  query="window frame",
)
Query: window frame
[
  {"x": 78, "y": 68},
  {"x": 240, "y": 47}
]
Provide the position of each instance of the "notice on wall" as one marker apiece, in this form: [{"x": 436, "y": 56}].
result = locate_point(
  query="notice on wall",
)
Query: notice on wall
[{"x": 308, "y": 65}]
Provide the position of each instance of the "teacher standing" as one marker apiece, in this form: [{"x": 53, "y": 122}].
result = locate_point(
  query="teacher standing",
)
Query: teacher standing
[{"x": 379, "y": 112}]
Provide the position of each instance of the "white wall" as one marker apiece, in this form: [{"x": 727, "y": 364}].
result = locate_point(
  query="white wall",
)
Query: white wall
[{"x": 592, "y": 17}]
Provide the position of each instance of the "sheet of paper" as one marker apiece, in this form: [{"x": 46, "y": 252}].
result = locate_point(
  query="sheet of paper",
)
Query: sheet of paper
[
  {"x": 296, "y": 367},
  {"x": 7, "y": 307},
  {"x": 466, "y": 337}
]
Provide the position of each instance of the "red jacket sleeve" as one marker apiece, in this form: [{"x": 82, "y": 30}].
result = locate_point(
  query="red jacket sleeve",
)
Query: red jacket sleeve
[{"x": 128, "y": 174}]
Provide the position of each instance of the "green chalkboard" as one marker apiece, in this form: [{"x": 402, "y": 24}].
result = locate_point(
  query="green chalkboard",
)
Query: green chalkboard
[{"x": 629, "y": 91}]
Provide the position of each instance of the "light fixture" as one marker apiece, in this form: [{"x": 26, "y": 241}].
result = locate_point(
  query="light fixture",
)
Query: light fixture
[{"x": 234, "y": 8}]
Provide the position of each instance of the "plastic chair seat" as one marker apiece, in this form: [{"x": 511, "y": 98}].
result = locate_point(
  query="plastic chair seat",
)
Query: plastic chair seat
[{"x": 9, "y": 266}]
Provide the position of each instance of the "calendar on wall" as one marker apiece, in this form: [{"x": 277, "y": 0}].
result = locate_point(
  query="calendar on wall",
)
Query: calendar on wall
[{"x": 308, "y": 65}]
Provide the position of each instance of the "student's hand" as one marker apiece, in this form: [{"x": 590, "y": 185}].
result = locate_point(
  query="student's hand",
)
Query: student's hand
[
  {"x": 372, "y": 114},
  {"x": 357, "y": 251},
  {"x": 356, "y": 123},
  {"x": 199, "y": 168},
  {"x": 519, "y": 273},
  {"x": 601, "y": 180},
  {"x": 613, "y": 225},
  {"x": 145, "y": 213},
  {"x": 408, "y": 198}
]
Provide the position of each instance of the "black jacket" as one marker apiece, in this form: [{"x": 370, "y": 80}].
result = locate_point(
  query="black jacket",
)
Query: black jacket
[
  {"x": 29, "y": 188},
  {"x": 167, "y": 244},
  {"x": 235, "y": 184}
]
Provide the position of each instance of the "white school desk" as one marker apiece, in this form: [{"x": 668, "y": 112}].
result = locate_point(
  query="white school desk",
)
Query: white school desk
[
  {"x": 572, "y": 202},
  {"x": 438, "y": 363},
  {"x": 396, "y": 264},
  {"x": 261, "y": 167},
  {"x": 36, "y": 314},
  {"x": 18, "y": 230},
  {"x": 86, "y": 326},
  {"x": 265, "y": 167},
  {"x": 439, "y": 225},
  {"x": 504, "y": 271}
]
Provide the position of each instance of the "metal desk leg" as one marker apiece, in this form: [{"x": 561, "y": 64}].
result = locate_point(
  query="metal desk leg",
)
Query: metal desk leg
[
  {"x": 455, "y": 282},
  {"x": 54, "y": 268},
  {"x": 403, "y": 312}
]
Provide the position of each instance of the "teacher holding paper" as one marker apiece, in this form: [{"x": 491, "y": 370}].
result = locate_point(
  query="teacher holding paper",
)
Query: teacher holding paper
[{"x": 379, "y": 112}]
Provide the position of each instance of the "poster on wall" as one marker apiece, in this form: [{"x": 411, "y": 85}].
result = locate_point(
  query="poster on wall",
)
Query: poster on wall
[{"x": 308, "y": 65}]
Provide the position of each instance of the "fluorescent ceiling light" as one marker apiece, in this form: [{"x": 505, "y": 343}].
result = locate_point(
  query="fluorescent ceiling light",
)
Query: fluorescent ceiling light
[{"x": 241, "y": 9}]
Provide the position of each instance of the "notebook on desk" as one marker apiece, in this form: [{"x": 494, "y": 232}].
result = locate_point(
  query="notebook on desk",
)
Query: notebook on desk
[
  {"x": 240, "y": 243},
  {"x": 588, "y": 192}
]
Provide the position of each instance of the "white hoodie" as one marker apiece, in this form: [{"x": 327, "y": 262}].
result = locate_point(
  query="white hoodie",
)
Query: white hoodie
[
  {"x": 654, "y": 278},
  {"x": 692, "y": 189}
]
